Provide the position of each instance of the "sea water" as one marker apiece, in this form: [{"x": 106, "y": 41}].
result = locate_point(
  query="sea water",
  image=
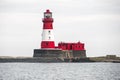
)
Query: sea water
[{"x": 59, "y": 71}]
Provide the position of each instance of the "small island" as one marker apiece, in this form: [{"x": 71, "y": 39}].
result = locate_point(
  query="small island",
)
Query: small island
[{"x": 107, "y": 58}]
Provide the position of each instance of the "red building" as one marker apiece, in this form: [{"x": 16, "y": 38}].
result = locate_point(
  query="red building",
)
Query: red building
[{"x": 71, "y": 46}]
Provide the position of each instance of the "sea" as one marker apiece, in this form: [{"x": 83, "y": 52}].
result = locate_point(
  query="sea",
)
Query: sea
[{"x": 59, "y": 71}]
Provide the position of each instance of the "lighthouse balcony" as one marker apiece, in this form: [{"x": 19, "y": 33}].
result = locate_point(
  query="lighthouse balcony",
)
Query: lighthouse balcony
[{"x": 47, "y": 19}]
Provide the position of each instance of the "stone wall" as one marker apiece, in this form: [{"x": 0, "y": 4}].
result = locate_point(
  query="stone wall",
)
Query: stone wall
[
  {"x": 79, "y": 53},
  {"x": 59, "y": 53},
  {"x": 47, "y": 53}
]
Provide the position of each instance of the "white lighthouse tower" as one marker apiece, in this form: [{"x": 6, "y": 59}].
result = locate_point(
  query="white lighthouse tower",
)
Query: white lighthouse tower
[{"x": 47, "y": 34}]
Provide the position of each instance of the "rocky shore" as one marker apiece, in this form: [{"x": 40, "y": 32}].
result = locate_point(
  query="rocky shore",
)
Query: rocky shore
[
  {"x": 107, "y": 58},
  {"x": 4, "y": 59}
]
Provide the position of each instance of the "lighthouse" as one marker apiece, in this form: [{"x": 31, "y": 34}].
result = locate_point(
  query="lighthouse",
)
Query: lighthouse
[
  {"x": 48, "y": 49},
  {"x": 47, "y": 34}
]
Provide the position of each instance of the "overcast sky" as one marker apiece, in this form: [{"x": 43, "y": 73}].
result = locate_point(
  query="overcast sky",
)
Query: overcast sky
[{"x": 93, "y": 22}]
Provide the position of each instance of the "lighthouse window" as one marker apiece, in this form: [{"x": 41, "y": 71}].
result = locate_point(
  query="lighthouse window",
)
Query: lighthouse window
[
  {"x": 49, "y": 32},
  {"x": 49, "y": 37},
  {"x": 47, "y": 15}
]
